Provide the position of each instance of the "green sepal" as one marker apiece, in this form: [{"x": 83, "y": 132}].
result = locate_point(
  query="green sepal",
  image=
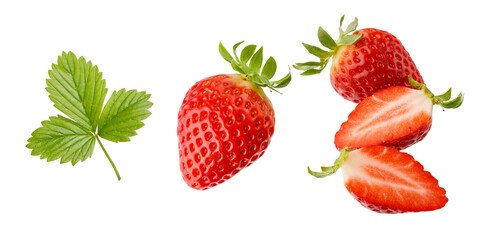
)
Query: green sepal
[
  {"x": 318, "y": 52},
  {"x": 237, "y": 68},
  {"x": 283, "y": 82},
  {"x": 247, "y": 52},
  {"x": 446, "y": 96},
  {"x": 311, "y": 68},
  {"x": 351, "y": 27},
  {"x": 224, "y": 53},
  {"x": 349, "y": 39},
  {"x": 455, "y": 103},
  {"x": 311, "y": 72},
  {"x": 307, "y": 65},
  {"x": 250, "y": 63},
  {"x": 269, "y": 68},
  {"x": 325, "y": 39},
  {"x": 327, "y": 171},
  {"x": 256, "y": 62}
]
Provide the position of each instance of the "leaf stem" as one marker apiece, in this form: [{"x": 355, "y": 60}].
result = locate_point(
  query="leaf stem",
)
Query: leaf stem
[{"x": 108, "y": 156}]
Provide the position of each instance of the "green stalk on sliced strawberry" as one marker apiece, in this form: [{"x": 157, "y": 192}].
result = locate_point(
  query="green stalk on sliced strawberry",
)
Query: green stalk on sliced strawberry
[
  {"x": 386, "y": 180},
  {"x": 226, "y": 122},
  {"x": 363, "y": 62},
  {"x": 396, "y": 117}
]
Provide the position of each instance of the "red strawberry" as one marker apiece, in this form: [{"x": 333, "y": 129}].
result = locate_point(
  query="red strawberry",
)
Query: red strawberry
[
  {"x": 396, "y": 117},
  {"x": 363, "y": 63},
  {"x": 385, "y": 180},
  {"x": 226, "y": 122}
]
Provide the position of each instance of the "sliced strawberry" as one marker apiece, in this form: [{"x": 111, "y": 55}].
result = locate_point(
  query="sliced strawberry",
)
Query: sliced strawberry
[
  {"x": 385, "y": 180},
  {"x": 388, "y": 181},
  {"x": 396, "y": 117}
]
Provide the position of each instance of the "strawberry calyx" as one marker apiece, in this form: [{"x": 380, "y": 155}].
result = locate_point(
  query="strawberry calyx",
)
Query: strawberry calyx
[
  {"x": 250, "y": 63},
  {"x": 327, "y": 171},
  {"x": 443, "y": 99},
  {"x": 316, "y": 67}
]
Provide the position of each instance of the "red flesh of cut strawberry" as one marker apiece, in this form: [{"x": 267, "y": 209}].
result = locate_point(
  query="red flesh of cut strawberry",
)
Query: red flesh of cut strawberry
[
  {"x": 397, "y": 117},
  {"x": 388, "y": 181}
]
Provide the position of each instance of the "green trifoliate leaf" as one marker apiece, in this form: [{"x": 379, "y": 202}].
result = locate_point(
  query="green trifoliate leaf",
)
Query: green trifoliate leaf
[
  {"x": 62, "y": 138},
  {"x": 77, "y": 89},
  {"x": 256, "y": 62},
  {"x": 325, "y": 39},
  {"x": 318, "y": 52},
  {"x": 123, "y": 114},
  {"x": 224, "y": 53},
  {"x": 247, "y": 53},
  {"x": 269, "y": 69}
]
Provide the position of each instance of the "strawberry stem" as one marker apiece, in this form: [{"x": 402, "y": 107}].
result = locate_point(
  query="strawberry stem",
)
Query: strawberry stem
[
  {"x": 442, "y": 100},
  {"x": 108, "y": 156},
  {"x": 327, "y": 171}
]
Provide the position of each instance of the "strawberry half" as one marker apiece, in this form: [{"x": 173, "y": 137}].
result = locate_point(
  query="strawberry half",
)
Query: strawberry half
[
  {"x": 385, "y": 180},
  {"x": 226, "y": 122},
  {"x": 396, "y": 117},
  {"x": 363, "y": 63}
]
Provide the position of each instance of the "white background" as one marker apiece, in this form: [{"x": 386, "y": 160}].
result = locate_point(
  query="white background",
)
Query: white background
[{"x": 164, "y": 47}]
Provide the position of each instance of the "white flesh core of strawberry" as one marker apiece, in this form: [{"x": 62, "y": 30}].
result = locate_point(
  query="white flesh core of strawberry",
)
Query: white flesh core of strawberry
[
  {"x": 383, "y": 180},
  {"x": 395, "y": 113},
  {"x": 357, "y": 163}
]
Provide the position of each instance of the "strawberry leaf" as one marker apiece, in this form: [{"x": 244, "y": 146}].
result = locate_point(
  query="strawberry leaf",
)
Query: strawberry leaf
[
  {"x": 60, "y": 137},
  {"x": 77, "y": 89},
  {"x": 123, "y": 114}
]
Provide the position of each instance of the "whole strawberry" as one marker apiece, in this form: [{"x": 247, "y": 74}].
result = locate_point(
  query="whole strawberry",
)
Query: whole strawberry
[
  {"x": 226, "y": 122},
  {"x": 396, "y": 117},
  {"x": 363, "y": 63}
]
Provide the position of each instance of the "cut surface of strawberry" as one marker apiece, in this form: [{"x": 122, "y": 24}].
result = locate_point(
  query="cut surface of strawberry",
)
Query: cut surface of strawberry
[
  {"x": 396, "y": 117},
  {"x": 386, "y": 180}
]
